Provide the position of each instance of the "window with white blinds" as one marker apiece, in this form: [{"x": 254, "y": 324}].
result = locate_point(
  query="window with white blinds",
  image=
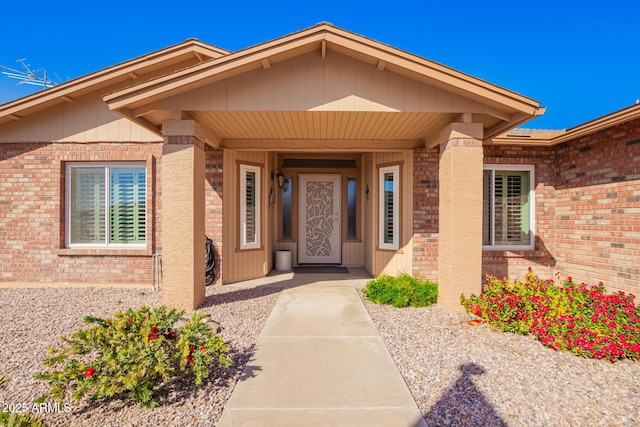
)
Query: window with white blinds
[
  {"x": 249, "y": 206},
  {"x": 389, "y": 216},
  {"x": 508, "y": 207},
  {"x": 106, "y": 205}
]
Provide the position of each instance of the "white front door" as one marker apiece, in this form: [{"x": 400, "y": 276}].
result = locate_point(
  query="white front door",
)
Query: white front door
[{"x": 319, "y": 218}]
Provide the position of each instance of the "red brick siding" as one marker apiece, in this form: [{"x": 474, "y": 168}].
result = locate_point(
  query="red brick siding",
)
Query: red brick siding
[
  {"x": 541, "y": 259},
  {"x": 598, "y": 208},
  {"x": 213, "y": 203},
  {"x": 32, "y": 199},
  {"x": 425, "y": 212}
]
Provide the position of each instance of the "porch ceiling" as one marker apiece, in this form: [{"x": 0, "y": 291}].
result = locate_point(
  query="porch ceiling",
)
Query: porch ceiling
[
  {"x": 303, "y": 130},
  {"x": 238, "y": 129}
]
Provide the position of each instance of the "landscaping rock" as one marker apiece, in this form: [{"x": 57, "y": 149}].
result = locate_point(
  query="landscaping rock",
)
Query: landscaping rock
[
  {"x": 31, "y": 320},
  {"x": 466, "y": 375}
]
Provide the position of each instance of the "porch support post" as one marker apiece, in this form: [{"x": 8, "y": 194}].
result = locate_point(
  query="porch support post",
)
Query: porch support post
[
  {"x": 183, "y": 247},
  {"x": 460, "y": 214}
]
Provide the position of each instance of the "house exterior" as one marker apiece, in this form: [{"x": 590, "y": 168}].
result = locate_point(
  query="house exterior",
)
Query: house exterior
[{"x": 336, "y": 147}]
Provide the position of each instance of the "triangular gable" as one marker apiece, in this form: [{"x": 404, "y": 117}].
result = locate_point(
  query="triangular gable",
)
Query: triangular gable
[
  {"x": 132, "y": 71},
  {"x": 511, "y": 109}
]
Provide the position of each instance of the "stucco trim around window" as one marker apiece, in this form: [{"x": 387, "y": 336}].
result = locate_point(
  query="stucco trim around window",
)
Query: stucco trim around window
[{"x": 508, "y": 222}]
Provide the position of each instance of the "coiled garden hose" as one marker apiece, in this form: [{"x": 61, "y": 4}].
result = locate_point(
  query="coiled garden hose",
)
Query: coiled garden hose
[{"x": 210, "y": 261}]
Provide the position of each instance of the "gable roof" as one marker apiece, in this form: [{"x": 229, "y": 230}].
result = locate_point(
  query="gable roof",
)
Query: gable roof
[
  {"x": 514, "y": 109},
  {"x": 130, "y": 70},
  {"x": 142, "y": 83}
]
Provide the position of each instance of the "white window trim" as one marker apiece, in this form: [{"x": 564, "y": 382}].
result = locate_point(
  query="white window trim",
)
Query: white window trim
[
  {"x": 244, "y": 168},
  {"x": 532, "y": 204},
  {"x": 67, "y": 213},
  {"x": 395, "y": 245}
]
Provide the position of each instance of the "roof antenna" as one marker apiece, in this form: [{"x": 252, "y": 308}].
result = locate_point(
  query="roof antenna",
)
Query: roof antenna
[{"x": 28, "y": 76}]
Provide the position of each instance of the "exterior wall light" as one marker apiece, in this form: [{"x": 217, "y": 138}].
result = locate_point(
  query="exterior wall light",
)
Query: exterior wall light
[{"x": 282, "y": 179}]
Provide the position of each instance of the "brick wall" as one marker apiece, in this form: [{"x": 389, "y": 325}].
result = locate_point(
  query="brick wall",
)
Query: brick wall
[
  {"x": 598, "y": 208},
  {"x": 32, "y": 199},
  {"x": 213, "y": 203},
  {"x": 587, "y": 211},
  {"x": 516, "y": 263},
  {"x": 502, "y": 263},
  {"x": 425, "y": 212}
]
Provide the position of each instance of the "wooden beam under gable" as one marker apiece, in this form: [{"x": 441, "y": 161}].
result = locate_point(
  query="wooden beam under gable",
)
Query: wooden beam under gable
[
  {"x": 498, "y": 115},
  {"x": 124, "y": 112},
  {"x": 210, "y": 137},
  {"x": 146, "y": 109},
  {"x": 265, "y": 63},
  {"x": 315, "y": 145}
]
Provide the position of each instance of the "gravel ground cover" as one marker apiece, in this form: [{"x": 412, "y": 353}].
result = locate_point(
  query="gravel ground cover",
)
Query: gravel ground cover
[
  {"x": 463, "y": 375},
  {"x": 31, "y": 320}
]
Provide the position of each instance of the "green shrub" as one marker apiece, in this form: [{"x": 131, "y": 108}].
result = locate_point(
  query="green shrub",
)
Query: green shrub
[
  {"x": 20, "y": 419},
  {"x": 401, "y": 291},
  {"x": 581, "y": 319},
  {"x": 8, "y": 418},
  {"x": 135, "y": 354}
]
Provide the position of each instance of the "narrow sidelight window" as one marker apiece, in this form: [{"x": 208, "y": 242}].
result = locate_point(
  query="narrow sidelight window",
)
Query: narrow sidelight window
[
  {"x": 249, "y": 207},
  {"x": 106, "y": 205},
  {"x": 352, "y": 195},
  {"x": 389, "y": 207},
  {"x": 507, "y": 221},
  {"x": 287, "y": 209}
]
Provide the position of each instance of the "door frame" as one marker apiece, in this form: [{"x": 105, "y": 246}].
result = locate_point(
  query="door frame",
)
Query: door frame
[{"x": 336, "y": 242}]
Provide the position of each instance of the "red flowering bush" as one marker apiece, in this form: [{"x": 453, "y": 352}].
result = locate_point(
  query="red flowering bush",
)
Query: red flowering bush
[
  {"x": 582, "y": 319},
  {"x": 134, "y": 354}
]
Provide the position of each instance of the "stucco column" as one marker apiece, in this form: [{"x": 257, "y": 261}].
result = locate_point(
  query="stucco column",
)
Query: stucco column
[
  {"x": 460, "y": 214},
  {"x": 183, "y": 247}
]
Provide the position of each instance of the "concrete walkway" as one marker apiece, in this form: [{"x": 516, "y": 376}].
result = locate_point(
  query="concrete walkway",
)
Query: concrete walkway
[{"x": 320, "y": 361}]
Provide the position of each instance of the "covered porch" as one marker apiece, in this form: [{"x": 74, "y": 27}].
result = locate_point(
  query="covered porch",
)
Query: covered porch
[{"x": 340, "y": 117}]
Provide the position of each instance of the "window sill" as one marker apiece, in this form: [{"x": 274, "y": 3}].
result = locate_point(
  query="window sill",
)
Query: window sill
[
  {"x": 240, "y": 250},
  {"x": 517, "y": 249},
  {"x": 104, "y": 252},
  {"x": 395, "y": 251},
  {"x": 511, "y": 253}
]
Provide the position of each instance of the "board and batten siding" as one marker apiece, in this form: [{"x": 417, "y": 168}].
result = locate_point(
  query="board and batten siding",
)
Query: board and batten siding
[
  {"x": 250, "y": 263},
  {"x": 369, "y": 235},
  {"x": 391, "y": 261},
  {"x": 339, "y": 83},
  {"x": 85, "y": 120}
]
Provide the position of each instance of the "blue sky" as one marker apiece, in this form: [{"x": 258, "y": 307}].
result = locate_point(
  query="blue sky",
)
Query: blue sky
[{"x": 580, "y": 59}]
